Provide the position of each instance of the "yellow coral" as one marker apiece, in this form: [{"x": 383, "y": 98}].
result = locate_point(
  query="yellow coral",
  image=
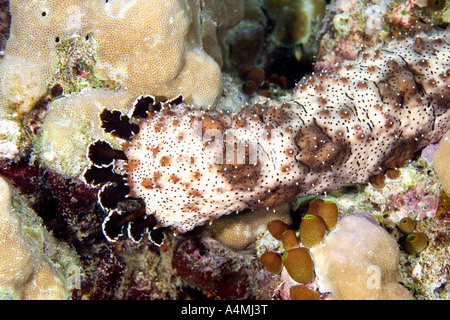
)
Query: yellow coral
[
  {"x": 150, "y": 47},
  {"x": 294, "y": 18},
  {"x": 29, "y": 63},
  {"x": 71, "y": 124},
  {"x": 24, "y": 273},
  {"x": 239, "y": 231},
  {"x": 147, "y": 46},
  {"x": 16, "y": 263},
  {"x": 441, "y": 162},
  {"x": 359, "y": 260},
  {"x": 46, "y": 284}
]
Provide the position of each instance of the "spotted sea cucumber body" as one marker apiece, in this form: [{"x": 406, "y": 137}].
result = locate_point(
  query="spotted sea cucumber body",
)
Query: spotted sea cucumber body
[{"x": 374, "y": 113}]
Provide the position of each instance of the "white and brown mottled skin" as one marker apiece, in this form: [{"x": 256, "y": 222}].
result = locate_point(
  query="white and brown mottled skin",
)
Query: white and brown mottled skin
[{"x": 373, "y": 113}]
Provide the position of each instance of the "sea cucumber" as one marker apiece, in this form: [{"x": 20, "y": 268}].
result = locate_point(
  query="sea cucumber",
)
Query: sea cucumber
[{"x": 191, "y": 166}]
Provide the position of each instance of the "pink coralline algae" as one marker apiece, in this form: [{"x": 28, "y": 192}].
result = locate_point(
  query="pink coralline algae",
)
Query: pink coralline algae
[
  {"x": 416, "y": 201},
  {"x": 374, "y": 113}
]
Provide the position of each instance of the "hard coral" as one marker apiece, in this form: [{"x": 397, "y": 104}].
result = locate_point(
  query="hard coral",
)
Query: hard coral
[
  {"x": 32, "y": 20},
  {"x": 68, "y": 210},
  {"x": 239, "y": 232},
  {"x": 142, "y": 45},
  {"x": 359, "y": 260},
  {"x": 294, "y": 20},
  {"x": 24, "y": 271},
  {"x": 167, "y": 56},
  {"x": 441, "y": 162}
]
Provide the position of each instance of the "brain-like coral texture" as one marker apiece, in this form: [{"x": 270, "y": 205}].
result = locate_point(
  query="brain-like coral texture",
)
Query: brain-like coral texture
[{"x": 374, "y": 113}]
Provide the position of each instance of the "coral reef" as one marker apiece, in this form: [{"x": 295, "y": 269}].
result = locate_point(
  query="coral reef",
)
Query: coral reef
[
  {"x": 186, "y": 149},
  {"x": 352, "y": 25},
  {"x": 412, "y": 192},
  {"x": 355, "y": 259},
  {"x": 426, "y": 273},
  {"x": 221, "y": 273}
]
